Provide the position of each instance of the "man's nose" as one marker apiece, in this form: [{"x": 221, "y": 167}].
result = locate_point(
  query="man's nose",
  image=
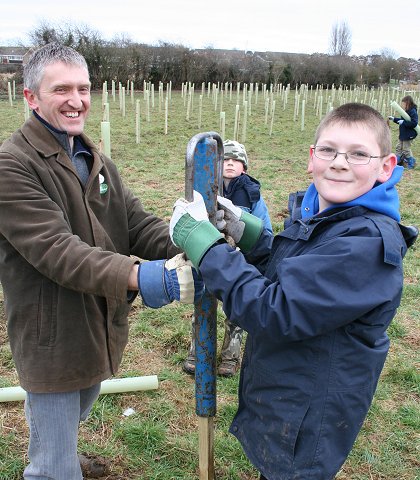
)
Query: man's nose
[{"x": 75, "y": 100}]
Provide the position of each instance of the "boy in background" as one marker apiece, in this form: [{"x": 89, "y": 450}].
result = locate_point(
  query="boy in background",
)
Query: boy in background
[
  {"x": 243, "y": 191},
  {"x": 316, "y": 299}
]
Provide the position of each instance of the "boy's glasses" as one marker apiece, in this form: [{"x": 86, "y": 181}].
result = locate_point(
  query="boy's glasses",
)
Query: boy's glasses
[{"x": 355, "y": 157}]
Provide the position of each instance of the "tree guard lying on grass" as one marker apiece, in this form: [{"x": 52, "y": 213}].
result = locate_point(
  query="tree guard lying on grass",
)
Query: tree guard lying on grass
[{"x": 114, "y": 385}]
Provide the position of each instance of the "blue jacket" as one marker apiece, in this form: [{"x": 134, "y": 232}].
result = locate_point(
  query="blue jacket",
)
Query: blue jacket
[
  {"x": 244, "y": 192},
  {"x": 407, "y": 131},
  {"x": 316, "y": 301}
]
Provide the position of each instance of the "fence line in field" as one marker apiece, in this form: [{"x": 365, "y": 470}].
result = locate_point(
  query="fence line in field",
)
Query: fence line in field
[
  {"x": 322, "y": 99},
  {"x": 252, "y": 102}
]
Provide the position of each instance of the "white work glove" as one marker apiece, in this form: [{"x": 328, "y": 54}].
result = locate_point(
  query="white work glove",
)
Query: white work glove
[
  {"x": 391, "y": 118},
  {"x": 191, "y": 230}
]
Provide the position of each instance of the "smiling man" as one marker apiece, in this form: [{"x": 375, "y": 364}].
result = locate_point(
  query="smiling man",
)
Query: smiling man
[
  {"x": 68, "y": 228},
  {"x": 62, "y": 98}
]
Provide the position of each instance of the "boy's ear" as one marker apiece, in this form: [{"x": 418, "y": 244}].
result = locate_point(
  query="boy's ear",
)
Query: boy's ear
[
  {"x": 389, "y": 163},
  {"x": 311, "y": 153}
]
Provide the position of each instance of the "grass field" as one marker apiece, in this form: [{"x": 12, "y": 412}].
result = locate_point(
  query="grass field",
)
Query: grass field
[{"x": 160, "y": 441}]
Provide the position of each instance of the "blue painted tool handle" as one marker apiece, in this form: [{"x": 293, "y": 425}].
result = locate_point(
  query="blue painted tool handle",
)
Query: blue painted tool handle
[{"x": 203, "y": 173}]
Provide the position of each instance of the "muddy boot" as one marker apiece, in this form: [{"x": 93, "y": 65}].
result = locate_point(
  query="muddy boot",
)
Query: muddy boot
[
  {"x": 93, "y": 466},
  {"x": 231, "y": 350},
  {"x": 189, "y": 363}
]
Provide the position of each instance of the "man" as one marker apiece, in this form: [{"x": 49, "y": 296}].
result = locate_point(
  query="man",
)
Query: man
[{"x": 68, "y": 226}]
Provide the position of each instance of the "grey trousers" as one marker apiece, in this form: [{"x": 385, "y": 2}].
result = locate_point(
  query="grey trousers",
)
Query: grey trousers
[
  {"x": 53, "y": 420},
  {"x": 403, "y": 148}
]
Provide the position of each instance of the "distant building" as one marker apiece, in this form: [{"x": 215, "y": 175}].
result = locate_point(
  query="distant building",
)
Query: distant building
[{"x": 12, "y": 55}]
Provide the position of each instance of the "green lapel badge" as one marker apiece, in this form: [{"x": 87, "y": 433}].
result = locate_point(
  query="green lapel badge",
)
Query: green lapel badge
[{"x": 103, "y": 187}]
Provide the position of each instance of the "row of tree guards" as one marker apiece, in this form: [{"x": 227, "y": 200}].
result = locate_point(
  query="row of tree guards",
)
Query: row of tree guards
[{"x": 246, "y": 98}]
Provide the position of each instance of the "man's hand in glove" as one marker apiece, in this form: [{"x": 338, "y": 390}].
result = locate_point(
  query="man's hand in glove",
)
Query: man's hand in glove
[{"x": 163, "y": 281}]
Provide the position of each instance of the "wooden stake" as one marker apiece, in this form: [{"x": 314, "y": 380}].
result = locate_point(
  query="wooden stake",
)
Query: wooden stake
[{"x": 206, "y": 448}]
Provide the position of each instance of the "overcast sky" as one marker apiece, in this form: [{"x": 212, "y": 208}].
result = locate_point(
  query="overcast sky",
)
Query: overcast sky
[{"x": 301, "y": 26}]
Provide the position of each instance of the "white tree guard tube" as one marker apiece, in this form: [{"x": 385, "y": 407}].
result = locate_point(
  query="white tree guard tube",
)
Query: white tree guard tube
[
  {"x": 114, "y": 385},
  {"x": 403, "y": 114}
]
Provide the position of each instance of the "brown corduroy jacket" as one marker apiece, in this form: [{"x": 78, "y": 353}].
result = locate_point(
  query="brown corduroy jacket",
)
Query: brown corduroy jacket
[{"x": 65, "y": 260}]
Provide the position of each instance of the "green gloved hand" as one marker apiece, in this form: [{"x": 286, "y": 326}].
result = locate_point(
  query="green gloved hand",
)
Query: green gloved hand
[
  {"x": 244, "y": 228},
  {"x": 191, "y": 230}
]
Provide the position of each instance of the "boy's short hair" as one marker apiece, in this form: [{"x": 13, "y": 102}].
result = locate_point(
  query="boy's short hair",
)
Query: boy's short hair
[
  {"x": 235, "y": 150},
  {"x": 350, "y": 113}
]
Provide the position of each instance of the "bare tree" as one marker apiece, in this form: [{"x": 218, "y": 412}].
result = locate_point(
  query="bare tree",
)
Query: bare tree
[{"x": 340, "y": 39}]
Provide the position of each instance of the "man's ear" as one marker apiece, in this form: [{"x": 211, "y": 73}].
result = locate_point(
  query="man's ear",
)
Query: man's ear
[
  {"x": 31, "y": 98},
  {"x": 389, "y": 163},
  {"x": 310, "y": 159}
]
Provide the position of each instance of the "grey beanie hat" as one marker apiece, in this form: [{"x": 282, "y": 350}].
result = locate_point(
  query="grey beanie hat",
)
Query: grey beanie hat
[{"x": 235, "y": 150}]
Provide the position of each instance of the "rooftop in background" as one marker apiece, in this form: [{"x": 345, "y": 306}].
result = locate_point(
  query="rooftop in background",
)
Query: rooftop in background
[{"x": 13, "y": 55}]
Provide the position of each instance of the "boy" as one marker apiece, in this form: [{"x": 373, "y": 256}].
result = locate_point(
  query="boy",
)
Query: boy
[
  {"x": 316, "y": 299},
  {"x": 244, "y": 192}
]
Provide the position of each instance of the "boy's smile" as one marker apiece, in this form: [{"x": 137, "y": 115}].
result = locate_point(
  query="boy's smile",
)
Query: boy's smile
[{"x": 338, "y": 181}]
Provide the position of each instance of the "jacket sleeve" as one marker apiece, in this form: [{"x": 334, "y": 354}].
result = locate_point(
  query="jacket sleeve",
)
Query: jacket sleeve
[
  {"x": 260, "y": 210},
  {"x": 149, "y": 235},
  {"x": 335, "y": 284}
]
